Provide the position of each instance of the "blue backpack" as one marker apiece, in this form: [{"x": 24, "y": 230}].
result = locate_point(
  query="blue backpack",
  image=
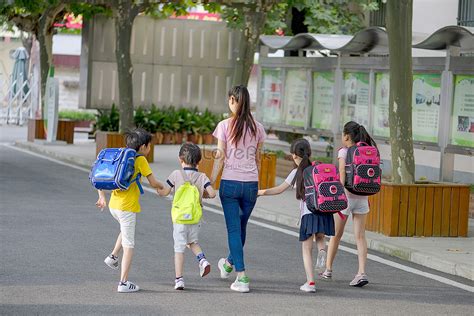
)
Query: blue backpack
[{"x": 114, "y": 169}]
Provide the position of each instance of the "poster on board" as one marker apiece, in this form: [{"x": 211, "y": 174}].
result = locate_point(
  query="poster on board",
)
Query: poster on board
[
  {"x": 323, "y": 90},
  {"x": 462, "y": 133},
  {"x": 296, "y": 96},
  {"x": 271, "y": 107},
  {"x": 380, "y": 113},
  {"x": 426, "y": 99},
  {"x": 355, "y": 100}
]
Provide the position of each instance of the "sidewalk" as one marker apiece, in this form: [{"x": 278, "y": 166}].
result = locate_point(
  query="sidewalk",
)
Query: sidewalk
[{"x": 449, "y": 255}]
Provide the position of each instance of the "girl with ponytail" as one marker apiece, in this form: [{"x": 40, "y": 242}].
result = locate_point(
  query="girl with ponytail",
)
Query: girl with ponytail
[
  {"x": 358, "y": 205},
  {"x": 240, "y": 139},
  {"x": 312, "y": 226}
]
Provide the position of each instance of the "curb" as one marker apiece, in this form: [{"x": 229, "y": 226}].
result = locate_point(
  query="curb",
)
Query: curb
[
  {"x": 84, "y": 163},
  {"x": 404, "y": 253}
]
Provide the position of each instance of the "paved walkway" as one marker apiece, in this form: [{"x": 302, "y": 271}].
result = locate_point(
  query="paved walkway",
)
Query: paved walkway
[{"x": 449, "y": 255}]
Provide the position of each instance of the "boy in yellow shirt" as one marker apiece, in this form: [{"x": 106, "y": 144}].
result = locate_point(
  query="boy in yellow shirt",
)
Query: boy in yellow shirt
[{"x": 124, "y": 206}]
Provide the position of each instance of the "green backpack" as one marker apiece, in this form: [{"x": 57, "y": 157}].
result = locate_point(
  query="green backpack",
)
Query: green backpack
[{"x": 186, "y": 208}]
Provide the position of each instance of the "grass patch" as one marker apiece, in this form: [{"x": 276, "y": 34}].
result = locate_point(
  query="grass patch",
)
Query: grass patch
[{"x": 76, "y": 115}]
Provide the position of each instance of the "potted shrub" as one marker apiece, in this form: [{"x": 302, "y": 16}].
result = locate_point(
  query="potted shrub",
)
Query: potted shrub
[
  {"x": 106, "y": 129},
  {"x": 166, "y": 127},
  {"x": 81, "y": 119},
  {"x": 194, "y": 135},
  {"x": 181, "y": 117},
  {"x": 208, "y": 125}
]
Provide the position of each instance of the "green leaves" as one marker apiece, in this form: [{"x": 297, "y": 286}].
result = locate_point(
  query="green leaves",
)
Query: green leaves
[
  {"x": 107, "y": 120},
  {"x": 171, "y": 120}
]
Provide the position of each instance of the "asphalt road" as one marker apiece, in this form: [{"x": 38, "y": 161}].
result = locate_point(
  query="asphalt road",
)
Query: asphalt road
[{"x": 54, "y": 240}]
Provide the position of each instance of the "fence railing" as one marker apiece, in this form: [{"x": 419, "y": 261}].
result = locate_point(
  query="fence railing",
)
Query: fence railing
[{"x": 16, "y": 101}]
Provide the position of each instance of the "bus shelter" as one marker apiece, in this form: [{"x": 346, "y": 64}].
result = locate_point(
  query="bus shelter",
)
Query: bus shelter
[{"x": 349, "y": 80}]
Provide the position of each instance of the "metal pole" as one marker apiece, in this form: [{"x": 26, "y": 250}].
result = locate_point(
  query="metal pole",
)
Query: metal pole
[
  {"x": 336, "y": 114},
  {"x": 446, "y": 168}
]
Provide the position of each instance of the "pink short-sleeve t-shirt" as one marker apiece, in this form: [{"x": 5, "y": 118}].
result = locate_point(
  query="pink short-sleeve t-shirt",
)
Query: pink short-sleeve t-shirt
[{"x": 239, "y": 162}]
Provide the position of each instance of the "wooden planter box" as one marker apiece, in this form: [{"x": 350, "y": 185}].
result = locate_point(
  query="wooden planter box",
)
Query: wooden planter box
[
  {"x": 116, "y": 140},
  {"x": 284, "y": 167},
  {"x": 65, "y": 130},
  {"x": 429, "y": 210},
  {"x": 267, "y": 176}
]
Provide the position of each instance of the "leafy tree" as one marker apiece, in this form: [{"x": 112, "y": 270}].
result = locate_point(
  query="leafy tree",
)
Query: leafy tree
[
  {"x": 266, "y": 16},
  {"x": 334, "y": 16},
  {"x": 38, "y": 18},
  {"x": 399, "y": 28},
  {"x": 124, "y": 13}
]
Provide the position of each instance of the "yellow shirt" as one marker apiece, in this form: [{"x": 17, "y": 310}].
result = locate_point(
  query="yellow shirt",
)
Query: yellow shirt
[{"x": 128, "y": 200}]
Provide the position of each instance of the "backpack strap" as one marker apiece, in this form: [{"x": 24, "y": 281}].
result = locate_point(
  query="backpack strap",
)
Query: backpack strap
[
  {"x": 186, "y": 178},
  {"x": 137, "y": 180}
]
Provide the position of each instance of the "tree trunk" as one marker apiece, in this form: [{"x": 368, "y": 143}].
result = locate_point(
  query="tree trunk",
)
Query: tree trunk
[
  {"x": 124, "y": 15},
  {"x": 45, "y": 39},
  {"x": 399, "y": 28},
  {"x": 254, "y": 23}
]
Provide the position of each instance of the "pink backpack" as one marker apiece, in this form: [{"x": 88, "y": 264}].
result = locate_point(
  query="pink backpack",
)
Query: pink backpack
[
  {"x": 363, "y": 173},
  {"x": 323, "y": 190}
]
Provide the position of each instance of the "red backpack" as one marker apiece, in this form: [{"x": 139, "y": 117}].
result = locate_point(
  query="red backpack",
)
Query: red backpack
[
  {"x": 323, "y": 190},
  {"x": 363, "y": 173}
]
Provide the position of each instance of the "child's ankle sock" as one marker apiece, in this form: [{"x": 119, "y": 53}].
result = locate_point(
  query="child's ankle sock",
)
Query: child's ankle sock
[
  {"x": 311, "y": 283},
  {"x": 200, "y": 257}
]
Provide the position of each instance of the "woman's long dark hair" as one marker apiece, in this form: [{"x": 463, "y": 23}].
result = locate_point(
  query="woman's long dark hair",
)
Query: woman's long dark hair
[
  {"x": 243, "y": 119},
  {"x": 302, "y": 149},
  {"x": 358, "y": 133}
]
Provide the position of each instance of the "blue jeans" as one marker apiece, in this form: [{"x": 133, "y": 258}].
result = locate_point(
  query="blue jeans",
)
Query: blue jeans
[{"x": 238, "y": 200}]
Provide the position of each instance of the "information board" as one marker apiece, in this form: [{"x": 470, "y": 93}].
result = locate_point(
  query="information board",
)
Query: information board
[
  {"x": 380, "y": 113},
  {"x": 271, "y": 107},
  {"x": 355, "y": 100},
  {"x": 323, "y": 90},
  {"x": 463, "y": 111},
  {"x": 296, "y": 96},
  {"x": 426, "y": 99}
]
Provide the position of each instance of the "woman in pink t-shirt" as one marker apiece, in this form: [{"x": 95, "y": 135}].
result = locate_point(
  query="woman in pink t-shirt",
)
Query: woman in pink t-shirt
[{"x": 240, "y": 139}]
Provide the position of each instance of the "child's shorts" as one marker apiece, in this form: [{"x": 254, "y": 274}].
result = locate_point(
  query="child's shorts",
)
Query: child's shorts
[
  {"x": 184, "y": 235},
  {"x": 127, "y": 221},
  {"x": 356, "y": 205}
]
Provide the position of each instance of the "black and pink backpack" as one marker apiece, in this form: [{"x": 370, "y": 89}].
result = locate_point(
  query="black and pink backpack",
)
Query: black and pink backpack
[
  {"x": 323, "y": 190},
  {"x": 363, "y": 173}
]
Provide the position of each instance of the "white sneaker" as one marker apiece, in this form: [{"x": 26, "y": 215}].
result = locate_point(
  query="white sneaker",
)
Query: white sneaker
[
  {"x": 241, "y": 285},
  {"x": 179, "y": 284},
  {"x": 321, "y": 260},
  {"x": 224, "y": 273},
  {"x": 127, "y": 287},
  {"x": 204, "y": 268},
  {"x": 308, "y": 288},
  {"x": 112, "y": 261}
]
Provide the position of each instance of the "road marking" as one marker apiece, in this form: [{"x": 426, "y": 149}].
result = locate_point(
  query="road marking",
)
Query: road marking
[
  {"x": 287, "y": 232},
  {"x": 369, "y": 256}
]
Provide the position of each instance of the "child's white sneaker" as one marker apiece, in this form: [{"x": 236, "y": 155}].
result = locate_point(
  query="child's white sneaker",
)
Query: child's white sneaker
[
  {"x": 112, "y": 261},
  {"x": 204, "y": 267},
  {"x": 127, "y": 287},
  {"x": 308, "y": 287},
  {"x": 241, "y": 285},
  {"x": 224, "y": 268},
  {"x": 179, "y": 284}
]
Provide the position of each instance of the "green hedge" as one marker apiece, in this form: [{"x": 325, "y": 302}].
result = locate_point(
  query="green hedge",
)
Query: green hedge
[
  {"x": 75, "y": 115},
  {"x": 165, "y": 120}
]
